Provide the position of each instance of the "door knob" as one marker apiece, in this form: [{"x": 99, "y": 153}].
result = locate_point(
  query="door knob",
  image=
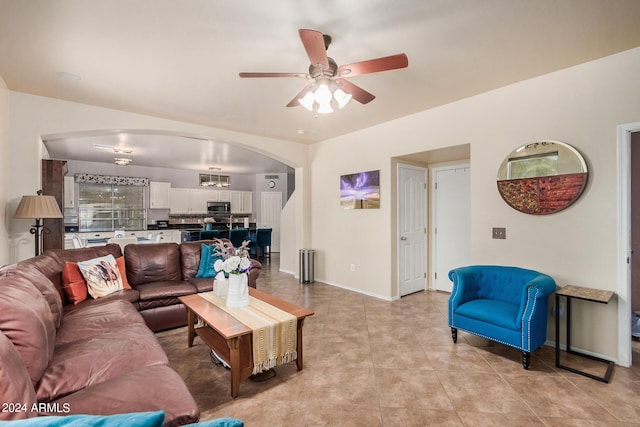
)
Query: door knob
[{"x": 403, "y": 238}]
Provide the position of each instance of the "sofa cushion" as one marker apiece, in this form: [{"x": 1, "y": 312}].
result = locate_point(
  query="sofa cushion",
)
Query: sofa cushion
[
  {"x": 102, "y": 276},
  {"x": 94, "y": 319},
  {"x": 16, "y": 387},
  {"x": 78, "y": 364},
  {"x": 138, "y": 419},
  {"x": 26, "y": 319},
  {"x": 204, "y": 284},
  {"x": 495, "y": 312},
  {"x": 164, "y": 289},
  {"x": 42, "y": 283},
  {"x": 149, "y": 388},
  {"x": 153, "y": 262}
]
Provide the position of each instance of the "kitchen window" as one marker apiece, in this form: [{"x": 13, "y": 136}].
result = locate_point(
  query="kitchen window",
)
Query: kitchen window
[{"x": 106, "y": 207}]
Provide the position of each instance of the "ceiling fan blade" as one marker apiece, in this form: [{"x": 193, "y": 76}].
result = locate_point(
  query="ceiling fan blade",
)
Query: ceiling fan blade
[
  {"x": 260, "y": 75},
  {"x": 294, "y": 102},
  {"x": 359, "y": 94},
  {"x": 313, "y": 42},
  {"x": 393, "y": 62}
]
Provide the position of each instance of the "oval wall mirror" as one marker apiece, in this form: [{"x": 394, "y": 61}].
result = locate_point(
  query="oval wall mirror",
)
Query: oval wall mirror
[{"x": 542, "y": 177}]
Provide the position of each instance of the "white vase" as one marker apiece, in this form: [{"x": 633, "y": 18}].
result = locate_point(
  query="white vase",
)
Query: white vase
[
  {"x": 221, "y": 287},
  {"x": 238, "y": 294}
]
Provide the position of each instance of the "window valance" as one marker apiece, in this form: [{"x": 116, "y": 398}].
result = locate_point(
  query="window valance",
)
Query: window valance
[{"x": 111, "y": 179}]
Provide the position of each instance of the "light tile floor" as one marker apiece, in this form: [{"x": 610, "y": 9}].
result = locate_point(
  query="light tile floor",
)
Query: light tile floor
[{"x": 369, "y": 362}]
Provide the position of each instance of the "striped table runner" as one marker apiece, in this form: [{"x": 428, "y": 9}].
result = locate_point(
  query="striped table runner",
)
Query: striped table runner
[{"x": 274, "y": 331}]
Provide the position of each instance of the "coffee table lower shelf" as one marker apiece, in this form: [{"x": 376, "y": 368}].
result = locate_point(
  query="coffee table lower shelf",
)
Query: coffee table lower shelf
[{"x": 236, "y": 352}]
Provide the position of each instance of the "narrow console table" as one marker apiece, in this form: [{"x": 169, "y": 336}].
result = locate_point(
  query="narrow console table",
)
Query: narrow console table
[{"x": 586, "y": 294}]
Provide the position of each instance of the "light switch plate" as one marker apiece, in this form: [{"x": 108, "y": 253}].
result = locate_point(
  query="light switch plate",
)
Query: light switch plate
[{"x": 499, "y": 233}]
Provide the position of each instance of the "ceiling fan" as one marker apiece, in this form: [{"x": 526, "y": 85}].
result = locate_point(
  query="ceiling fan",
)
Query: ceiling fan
[{"x": 329, "y": 81}]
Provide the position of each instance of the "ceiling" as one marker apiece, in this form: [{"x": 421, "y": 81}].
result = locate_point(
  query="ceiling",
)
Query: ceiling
[{"x": 180, "y": 59}]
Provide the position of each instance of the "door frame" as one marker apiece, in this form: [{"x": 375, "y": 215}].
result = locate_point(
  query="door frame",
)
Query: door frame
[
  {"x": 425, "y": 170},
  {"x": 624, "y": 241},
  {"x": 432, "y": 214}
]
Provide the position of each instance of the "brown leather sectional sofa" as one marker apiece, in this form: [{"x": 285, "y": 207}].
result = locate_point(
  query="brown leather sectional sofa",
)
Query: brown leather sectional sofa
[{"x": 99, "y": 356}]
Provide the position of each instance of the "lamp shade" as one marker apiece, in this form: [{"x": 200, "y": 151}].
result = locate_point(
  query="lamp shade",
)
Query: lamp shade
[{"x": 38, "y": 207}]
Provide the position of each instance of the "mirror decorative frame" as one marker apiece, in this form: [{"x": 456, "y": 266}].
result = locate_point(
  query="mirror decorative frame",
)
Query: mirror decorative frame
[{"x": 542, "y": 177}]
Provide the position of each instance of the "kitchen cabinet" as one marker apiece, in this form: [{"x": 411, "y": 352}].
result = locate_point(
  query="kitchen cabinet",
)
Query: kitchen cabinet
[
  {"x": 180, "y": 201},
  {"x": 69, "y": 192},
  {"x": 218, "y": 195},
  {"x": 199, "y": 199},
  {"x": 241, "y": 201},
  {"x": 224, "y": 196},
  {"x": 189, "y": 201},
  {"x": 159, "y": 195}
]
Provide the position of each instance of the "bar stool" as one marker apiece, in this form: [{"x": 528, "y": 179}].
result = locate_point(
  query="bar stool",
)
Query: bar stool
[{"x": 263, "y": 240}]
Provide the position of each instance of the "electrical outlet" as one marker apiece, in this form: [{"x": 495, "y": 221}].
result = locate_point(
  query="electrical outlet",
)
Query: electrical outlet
[
  {"x": 499, "y": 233},
  {"x": 353, "y": 267}
]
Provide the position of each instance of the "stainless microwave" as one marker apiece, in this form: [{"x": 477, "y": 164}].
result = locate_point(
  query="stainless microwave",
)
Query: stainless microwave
[{"x": 218, "y": 207}]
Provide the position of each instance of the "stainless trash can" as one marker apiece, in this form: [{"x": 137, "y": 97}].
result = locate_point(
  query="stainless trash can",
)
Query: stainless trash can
[{"x": 307, "y": 265}]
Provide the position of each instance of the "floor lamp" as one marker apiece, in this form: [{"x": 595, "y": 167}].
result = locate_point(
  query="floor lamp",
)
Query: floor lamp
[{"x": 38, "y": 207}]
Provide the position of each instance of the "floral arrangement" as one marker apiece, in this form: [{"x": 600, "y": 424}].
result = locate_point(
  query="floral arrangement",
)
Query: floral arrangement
[
  {"x": 234, "y": 261},
  {"x": 209, "y": 220}
]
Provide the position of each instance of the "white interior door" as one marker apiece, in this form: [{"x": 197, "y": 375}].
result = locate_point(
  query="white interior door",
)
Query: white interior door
[
  {"x": 412, "y": 229},
  {"x": 451, "y": 222},
  {"x": 270, "y": 209}
]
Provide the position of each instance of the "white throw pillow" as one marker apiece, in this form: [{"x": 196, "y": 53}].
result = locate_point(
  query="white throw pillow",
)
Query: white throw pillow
[{"x": 102, "y": 276}]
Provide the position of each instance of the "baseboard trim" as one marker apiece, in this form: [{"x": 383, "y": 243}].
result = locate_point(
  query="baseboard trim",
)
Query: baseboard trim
[{"x": 590, "y": 353}]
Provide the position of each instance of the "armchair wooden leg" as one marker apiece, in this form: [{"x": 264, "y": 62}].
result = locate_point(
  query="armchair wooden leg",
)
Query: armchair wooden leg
[
  {"x": 526, "y": 359},
  {"x": 454, "y": 335}
]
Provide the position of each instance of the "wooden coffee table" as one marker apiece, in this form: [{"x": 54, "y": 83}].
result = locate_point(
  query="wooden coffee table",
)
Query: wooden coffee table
[{"x": 232, "y": 340}]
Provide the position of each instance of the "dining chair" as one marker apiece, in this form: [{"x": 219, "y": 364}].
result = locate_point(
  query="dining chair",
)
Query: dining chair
[
  {"x": 263, "y": 242},
  {"x": 123, "y": 241},
  {"x": 77, "y": 242},
  {"x": 238, "y": 235}
]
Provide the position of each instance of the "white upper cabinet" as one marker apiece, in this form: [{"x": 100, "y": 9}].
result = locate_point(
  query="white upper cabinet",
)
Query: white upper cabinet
[
  {"x": 199, "y": 199},
  {"x": 160, "y": 195},
  {"x": 224, "y": 196},
  {"x": 189, "y": 200},
  {"x": 241, "y": 201},
  {"x": 180, "y": 200}
]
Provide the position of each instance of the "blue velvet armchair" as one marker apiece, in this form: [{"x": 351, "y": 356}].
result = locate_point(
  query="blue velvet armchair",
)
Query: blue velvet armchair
[{"x": 509, "y": 305}]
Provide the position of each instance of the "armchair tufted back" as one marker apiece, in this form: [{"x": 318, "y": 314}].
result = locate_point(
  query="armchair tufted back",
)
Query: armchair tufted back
[{"x": 500, "y": 283}]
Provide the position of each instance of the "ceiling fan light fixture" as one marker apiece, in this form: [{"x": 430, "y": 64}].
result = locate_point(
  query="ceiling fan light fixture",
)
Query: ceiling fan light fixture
[
  {"x": 325, "y": 108},
  {"x": 323, "y": 97},
  {"x": 307, "y": 100},
  {"x": 341, "y": 97}
]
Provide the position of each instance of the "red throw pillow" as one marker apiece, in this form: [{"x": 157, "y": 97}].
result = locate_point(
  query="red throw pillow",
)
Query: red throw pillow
[
  {"x": 123, "y": 272},
  {"x": 73, "y": 283}
]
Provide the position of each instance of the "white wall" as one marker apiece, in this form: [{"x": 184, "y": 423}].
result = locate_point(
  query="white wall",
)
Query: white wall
[
  {"x": 581, "y": 106},
  {"x": 31, "y": 116},
  {"x": 4, "y": 173}
]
